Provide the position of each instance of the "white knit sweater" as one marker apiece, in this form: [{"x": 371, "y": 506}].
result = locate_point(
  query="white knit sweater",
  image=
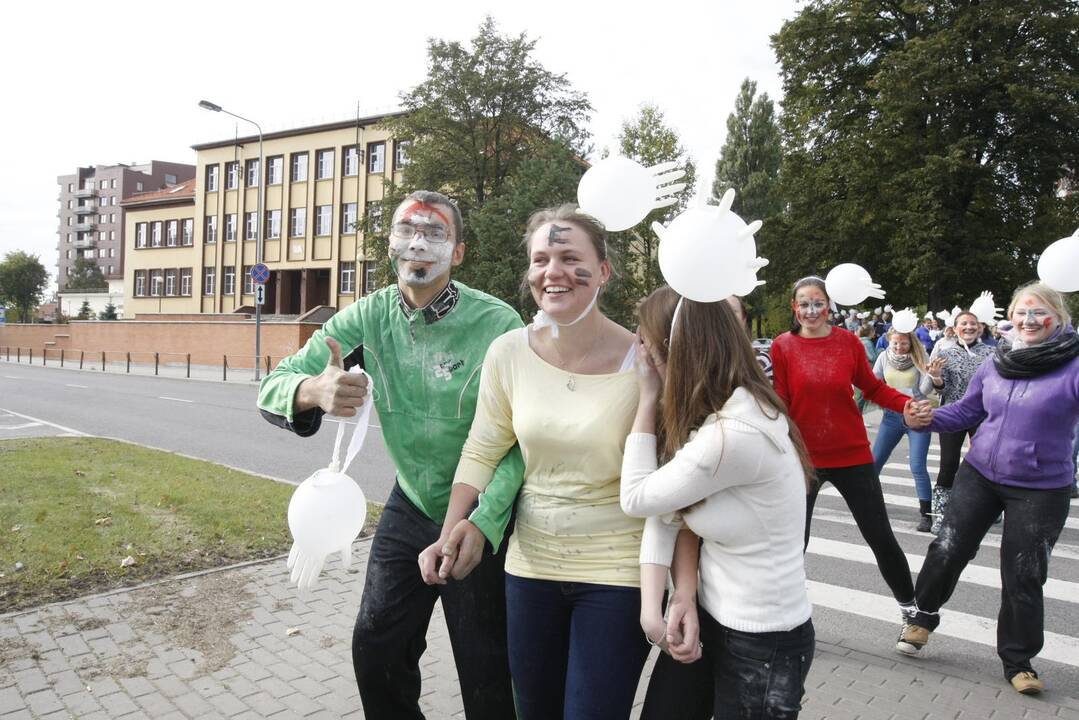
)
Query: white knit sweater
[{"x": 743, "y": 478}]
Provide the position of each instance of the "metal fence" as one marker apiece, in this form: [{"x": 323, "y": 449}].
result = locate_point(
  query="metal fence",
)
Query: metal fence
[{"x": 124, "y": 361}]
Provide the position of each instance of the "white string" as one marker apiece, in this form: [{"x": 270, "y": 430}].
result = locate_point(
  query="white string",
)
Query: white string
[
  {"x": 542, "y": 319},
  {"x": 359, "y": 434}
]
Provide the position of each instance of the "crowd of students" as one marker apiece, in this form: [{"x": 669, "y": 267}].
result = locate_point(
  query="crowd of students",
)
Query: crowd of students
[{"x": 663, "y": 481}]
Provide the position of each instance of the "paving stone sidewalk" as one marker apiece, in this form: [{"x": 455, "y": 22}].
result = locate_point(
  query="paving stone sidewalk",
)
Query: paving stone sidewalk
[{"x": 240, "y": 643}]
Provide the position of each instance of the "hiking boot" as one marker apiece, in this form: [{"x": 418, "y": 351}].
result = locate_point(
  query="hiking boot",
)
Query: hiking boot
[
  {"x": 1027, "y": 683},
  {"x": 912, "y": 638}
]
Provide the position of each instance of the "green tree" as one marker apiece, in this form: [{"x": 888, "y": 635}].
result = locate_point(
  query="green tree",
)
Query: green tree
[
  {"x": 109, "y": 313},
  {"x": 749, "y": 162},
  {"x": 924, "y": 140},
  {"x": 86, "y": 275},
  {"x": 487, "y": 115},
  {"x": 22, "y": 281},
  {"x": 85, "y": 313},
  {"x": 648, "y": 140},
  {"x": 750, "y": 157}
]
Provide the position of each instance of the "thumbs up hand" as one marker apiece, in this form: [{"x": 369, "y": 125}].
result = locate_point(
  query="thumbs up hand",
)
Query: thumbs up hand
[{"x": 334, "y": 390}]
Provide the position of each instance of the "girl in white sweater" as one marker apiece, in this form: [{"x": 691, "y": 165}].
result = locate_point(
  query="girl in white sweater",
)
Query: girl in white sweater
[{"x": 733, "y": 471}]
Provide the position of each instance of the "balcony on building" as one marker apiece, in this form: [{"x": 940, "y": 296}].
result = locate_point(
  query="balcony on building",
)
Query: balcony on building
[
  {"x": 84, "y": 243},
  {"x": 83, "y": 227},
  {"x": 85, "y": 192},
  {"x": 85, "y": 209}
]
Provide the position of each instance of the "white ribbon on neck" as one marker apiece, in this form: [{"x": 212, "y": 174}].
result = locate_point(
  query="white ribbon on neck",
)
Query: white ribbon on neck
[{"x": 543, "y": 320}]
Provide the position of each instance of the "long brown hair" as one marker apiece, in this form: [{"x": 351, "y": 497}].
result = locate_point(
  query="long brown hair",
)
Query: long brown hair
[{"x": 708, "y": 356}]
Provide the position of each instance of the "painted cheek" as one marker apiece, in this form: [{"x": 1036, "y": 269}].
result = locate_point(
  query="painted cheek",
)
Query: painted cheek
[{"x": 1047, "y": 323}]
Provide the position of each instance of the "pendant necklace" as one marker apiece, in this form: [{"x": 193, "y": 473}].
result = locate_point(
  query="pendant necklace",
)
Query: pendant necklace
[{"x": 571, "y": 383}]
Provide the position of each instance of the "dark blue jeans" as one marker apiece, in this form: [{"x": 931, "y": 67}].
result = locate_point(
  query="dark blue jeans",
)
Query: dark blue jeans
[
  {"x": 395, "y": 610},
  {"x": 576, "y": 649},
  {"x": 758, "y": 676}
]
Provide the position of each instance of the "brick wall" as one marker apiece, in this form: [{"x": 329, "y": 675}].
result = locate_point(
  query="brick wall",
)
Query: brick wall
[{"x": 207, "y": 342}]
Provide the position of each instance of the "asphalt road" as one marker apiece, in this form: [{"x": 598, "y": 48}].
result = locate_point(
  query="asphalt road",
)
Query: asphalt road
[
  {"x": 218, "y": 422},
  {"x": 209, "y": 420}
]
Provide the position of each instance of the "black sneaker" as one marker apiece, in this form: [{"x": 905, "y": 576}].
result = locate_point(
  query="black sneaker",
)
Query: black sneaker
[{"x": 925, "y": 524}]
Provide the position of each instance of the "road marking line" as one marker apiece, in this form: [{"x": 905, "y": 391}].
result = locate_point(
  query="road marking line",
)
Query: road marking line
[
  {"x": 76, "y": 433},
  {"x": 13, "y": 377},
  {"x": 1070, "y": 523},
  {"x": 963, "y": 626},
  {"x": 1060, "y": 550},
  {"x": 20, "y": 427},
  {"x": 84, "y": 387},
  {"x": 901, "y": 466},
  {"x": 166, "y": 397},
  {"x": 973, "y": 574}
]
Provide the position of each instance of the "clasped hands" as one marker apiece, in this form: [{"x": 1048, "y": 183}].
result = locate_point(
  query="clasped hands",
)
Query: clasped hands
[
  {"x": 678, "y": 635},
  {"x": 917, "y": 414},
  {"x": 454, "y": 555}
]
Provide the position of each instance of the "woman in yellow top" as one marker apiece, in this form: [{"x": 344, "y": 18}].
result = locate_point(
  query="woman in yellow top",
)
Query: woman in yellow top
[{"x": 565, "y": 389}]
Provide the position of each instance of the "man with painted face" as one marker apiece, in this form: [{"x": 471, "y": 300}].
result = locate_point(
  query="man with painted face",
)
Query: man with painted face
[{"x": 422, "y": 341}]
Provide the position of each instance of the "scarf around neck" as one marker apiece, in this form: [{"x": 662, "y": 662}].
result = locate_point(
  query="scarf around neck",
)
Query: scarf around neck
[
  {"x": 1029, "y": 362},
  {"x": 900, "y": 362}
]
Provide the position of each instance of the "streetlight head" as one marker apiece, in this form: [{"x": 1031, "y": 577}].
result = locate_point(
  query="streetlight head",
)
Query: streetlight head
[{"x": 207, "y": 105}]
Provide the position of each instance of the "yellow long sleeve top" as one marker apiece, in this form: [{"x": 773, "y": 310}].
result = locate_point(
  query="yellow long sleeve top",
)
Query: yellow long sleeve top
[{"x": 570, "y": 526}]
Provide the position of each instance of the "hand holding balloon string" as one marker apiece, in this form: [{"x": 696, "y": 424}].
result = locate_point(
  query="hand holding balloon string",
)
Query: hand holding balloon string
[{"x": 334, "y": 390}]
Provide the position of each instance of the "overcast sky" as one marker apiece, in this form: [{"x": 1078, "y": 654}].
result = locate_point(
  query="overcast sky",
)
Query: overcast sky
[{"x": 119, "y": 82}]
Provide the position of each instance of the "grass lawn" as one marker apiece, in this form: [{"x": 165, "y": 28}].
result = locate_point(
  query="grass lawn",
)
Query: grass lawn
[{"x": 82, "y": 515}]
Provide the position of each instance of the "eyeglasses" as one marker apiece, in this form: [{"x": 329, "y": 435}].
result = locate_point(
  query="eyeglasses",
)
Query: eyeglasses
[{"x": 407, "y": 231}]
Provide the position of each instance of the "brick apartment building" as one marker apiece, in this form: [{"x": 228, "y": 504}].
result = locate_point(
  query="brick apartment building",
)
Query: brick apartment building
[{"x": 91, "y": 217}]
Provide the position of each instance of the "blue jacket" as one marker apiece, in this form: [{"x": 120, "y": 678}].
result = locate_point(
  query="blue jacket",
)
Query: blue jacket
[
  {"x": 923, "y": 334},
  {"x": 1027, "y": 425}
]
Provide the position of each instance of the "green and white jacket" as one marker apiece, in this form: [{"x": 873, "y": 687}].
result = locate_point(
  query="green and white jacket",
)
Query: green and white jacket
[{"x": 425, "y": 366}]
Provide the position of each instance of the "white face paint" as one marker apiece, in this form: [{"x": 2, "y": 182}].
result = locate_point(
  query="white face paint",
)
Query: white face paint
[{"x": 418, "y": 261}]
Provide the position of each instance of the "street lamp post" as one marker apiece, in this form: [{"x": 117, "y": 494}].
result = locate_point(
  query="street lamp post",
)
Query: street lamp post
[{"x": 207, "y": 105}]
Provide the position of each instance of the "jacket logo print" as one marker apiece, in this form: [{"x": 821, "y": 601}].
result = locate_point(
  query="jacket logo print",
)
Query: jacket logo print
[{"x": 445, "y": 366}]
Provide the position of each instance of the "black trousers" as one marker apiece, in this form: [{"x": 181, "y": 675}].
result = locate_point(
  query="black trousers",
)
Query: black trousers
[
  {"x": 951, "y": 448},
  {"x": 391, "y": 629},
  {"x": 1033, "y": 520},
  {"x": 860, "y": 487}
]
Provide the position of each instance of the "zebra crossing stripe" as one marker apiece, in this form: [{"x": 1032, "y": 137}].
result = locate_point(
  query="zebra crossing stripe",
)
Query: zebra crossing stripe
[
  {"x": 909, "y": 502},
  {"x": 906, "y": 468},
  {"x": 1060, "y": 550},
  {"x": 974, "y": 574},
  {"x": 963, "y": 626}
]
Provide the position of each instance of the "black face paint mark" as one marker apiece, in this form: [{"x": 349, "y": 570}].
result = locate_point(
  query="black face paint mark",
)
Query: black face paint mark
[
  {"x": 581, "y": 277},
  {"x": 554, "y": 232}
]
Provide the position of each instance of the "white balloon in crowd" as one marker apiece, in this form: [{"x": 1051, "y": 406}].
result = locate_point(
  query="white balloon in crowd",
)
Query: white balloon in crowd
[
  {"x": 325, "y": 515},
  {"x": 850, "y": 284},
  {"x": 904, "y": 321},
  {"x": 946, "y": 317},
  {"x": 620, "y": 192},
  {"x": 708, "y": 253},
  {"x": 1058, "y": 267},
  {"x": 985, "y": 308}
]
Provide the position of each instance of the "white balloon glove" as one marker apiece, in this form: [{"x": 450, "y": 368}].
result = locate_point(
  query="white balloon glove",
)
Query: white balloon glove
[{"x": 985, "y": 308}]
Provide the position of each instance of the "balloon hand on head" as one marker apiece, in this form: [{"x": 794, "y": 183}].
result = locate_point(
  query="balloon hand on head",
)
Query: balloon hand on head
[
  {"x": 667, "y": 189},
  {"x": 850, "y": 284},
  {"x": 620, "y": 192},
  {"x": 985, "y": 308}
]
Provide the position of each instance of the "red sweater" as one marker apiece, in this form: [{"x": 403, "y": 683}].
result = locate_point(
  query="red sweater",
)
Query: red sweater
[{"x": 813, "y": 376}]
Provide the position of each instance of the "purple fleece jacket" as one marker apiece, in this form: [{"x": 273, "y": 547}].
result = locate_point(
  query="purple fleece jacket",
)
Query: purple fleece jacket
[{"x": 1027, "y": 426}]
